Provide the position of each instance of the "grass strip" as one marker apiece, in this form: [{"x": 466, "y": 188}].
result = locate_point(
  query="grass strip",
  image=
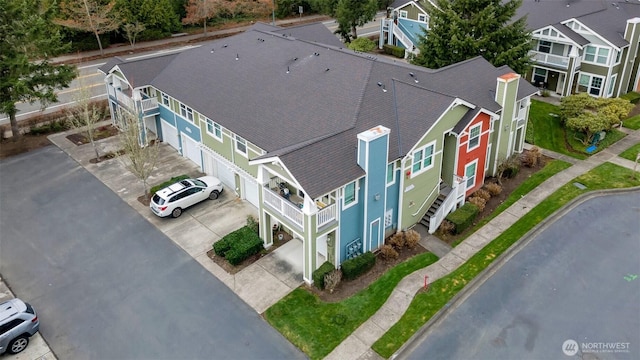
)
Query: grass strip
[
  {"x": 317, "y": 327},
  {"x": 631, "y": 153},
  {"x": 425, "y": 305},
  {"x": 632, "y": 122}
]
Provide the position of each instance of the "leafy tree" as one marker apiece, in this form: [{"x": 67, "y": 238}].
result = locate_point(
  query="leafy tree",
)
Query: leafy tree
[
  {"x": 199, "y": 11},
  {"x": 352, "y": 13},
  {"x": 462, "y": 29},
  {"x": 90, "y": 15},
  {"x": 28, "y": 43},
  {"x": 589, "y": 115},
  {"x": 140, "y": 156},
  {"x": 157, "y": 16},
  {"x": 131, "y": 31},
  {"x": 85, "y": 115}
]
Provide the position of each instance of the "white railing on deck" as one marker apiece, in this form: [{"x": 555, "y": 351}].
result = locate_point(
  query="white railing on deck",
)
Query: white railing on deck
[
  {"x": 124, "y": 99},
  {"x": 546, "y": 58},
  {"x": 326, "y": 215},
  {"x": 283, "y": 206},
  {"x": 404, "y": 39},
  {"x": 448, "y": 204},
  {"x": 148, "y": 104}
]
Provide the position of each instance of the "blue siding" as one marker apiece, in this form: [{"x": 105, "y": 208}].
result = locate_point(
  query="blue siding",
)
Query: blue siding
[
  {"x": 376, "y": 185},
  {"x": 351, "y": 220},
  {"x": 393, "y": 198},
  {"x": 414, "y": 30},
  {"x": 177, "y": 121}
]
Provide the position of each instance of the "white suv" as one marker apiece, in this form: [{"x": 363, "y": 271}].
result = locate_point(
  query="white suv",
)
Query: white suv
[
  {"x": 18, "y": 322},
  {"x": 179, "y": 196}
]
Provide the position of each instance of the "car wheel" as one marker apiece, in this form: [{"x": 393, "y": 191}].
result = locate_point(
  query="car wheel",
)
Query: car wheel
[
  {"x": 176, "y": 212},
  {"x": 214, "y": 195},
  {"x": 18, "y": 344}
]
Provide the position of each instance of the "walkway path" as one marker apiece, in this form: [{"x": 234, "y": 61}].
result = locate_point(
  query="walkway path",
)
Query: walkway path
[{"x": 358, "y": 344}]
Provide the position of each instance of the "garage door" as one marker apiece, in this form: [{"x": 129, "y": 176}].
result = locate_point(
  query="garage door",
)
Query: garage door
[
  {"x": 250, "y": 191},
  {"x": 169, "y": 134},
  {"x": 190, "y": 149},
  {"x": 217, "y": 168}
]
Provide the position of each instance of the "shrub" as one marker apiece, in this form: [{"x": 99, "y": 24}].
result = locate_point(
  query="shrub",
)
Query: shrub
[
  {"x": 397, "y": 241},
  {"x": 173, "y": 180},
  {"x": 478, "y": 201},
  {"x": 393, "y": 50},
  {"x": 320, "y": 273},
  {"x": 463, "y": 217},
  {"x": 493, "y": 189},
  {"x": 332, "y": 279},
  {"x": 509, "y": 168},
  {"x": 362, "y": 44},
  {"x": 358, "y": 265},
  {"x": 446, "y": 228},
  {"x": 484, "y": 194},
  {"x": 388, "y": 252},
  {"x": 532, "y": 157},
  {"x": 411, "y": 238},
  {"x": 221, "y": 246},
  {"x": 253, "y": 224}
]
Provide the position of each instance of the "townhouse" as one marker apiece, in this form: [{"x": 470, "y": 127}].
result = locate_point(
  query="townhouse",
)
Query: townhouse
[
  {"x": 577, "y": 45},
  {"x": 338, "y": 148}
]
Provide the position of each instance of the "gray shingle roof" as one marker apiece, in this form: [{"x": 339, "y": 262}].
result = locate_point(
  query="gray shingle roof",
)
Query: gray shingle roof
[{"x": 306, "y": 102}]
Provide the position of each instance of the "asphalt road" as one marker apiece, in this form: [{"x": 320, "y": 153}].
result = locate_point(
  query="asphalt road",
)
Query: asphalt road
[
  {"x": 576, "y": 280},
  {"x": 106, "y": 283}
]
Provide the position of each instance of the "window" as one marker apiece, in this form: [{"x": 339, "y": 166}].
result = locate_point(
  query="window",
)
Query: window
[
  {"x": 422, "y": 18},
  {"x": 474, "y": 137},
  {"x": 544, "y": 46},
  {"x": 595, "y": 54},
  {"x": 403, "y": 14},
  {"x": 618, "y": 53},
  {"x": 186, "y": 112},
  {"x": 487, "y": 158},
  {"x": 423, "y": 159},
  {"x": 590, "y": 84},
  {"x": 214, "y": 129},
  {"x": 539, "y": 76},
  {"x": 349, "y": 194},
  {"x": 241, "y": 145},
  {"x": 390, "y": 174},
  {"x": 165, "y": 99},
  {"x": 612, "y": 84},
  {"x": 470, "y": 174}
]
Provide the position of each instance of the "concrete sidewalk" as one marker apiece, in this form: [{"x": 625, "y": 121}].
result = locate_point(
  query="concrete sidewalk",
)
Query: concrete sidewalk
[{"x": 358, "y": 344}]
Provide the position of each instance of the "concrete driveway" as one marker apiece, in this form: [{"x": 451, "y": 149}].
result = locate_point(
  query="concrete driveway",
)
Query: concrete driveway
[
  {"x": 571, "y": 291},
  {"x": 106, "y": 282}
]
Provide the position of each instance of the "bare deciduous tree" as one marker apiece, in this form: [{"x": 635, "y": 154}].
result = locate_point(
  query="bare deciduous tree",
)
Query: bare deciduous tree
[
  {"x": 140, "y": 156},
  {"x": 85, "y": 115},
  {"x": 131, "y": 31},
  {"x": 89, "y": 15}
]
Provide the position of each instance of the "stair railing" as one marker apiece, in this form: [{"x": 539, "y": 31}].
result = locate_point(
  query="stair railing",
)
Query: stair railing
[{"x": 427, "y": 198}]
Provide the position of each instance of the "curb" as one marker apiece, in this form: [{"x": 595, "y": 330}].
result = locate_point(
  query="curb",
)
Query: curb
[{"x": 479, "y": 280}]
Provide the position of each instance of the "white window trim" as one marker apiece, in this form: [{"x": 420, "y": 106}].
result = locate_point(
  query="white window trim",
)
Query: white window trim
[
  {"x": 591, "y": 76},
  {"x": 393, "y": 173},
  {"x": 403, "y": 14},
  {"x": 186, "y": 112},
  {"x": 611, "y": 85},
  {"x": 164, "y": 97},
  {"x": 469, "y": 148},
  {"x": 423, "y": 169},
  {"x": 487, "y": 158},
  {"x": 355, "y": 195},
  {"x": 213, "y": 125},
  {"x": 246, "y": 146},
  {"x": 475, "y": 175},
  {"x": 422, "y": 18},
  {"x": 595, "y": 56}
]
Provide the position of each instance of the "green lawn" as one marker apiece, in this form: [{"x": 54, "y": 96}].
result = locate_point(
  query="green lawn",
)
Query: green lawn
[
  {"x": 427, "y": 304},
  {"x": 632, "y": 96},
  {"x": 632, "y": 122},
  {"x": 631, "y": 153},
  {"x": 551, "y": 168},
  {"x": 612, "y": 137},
  {"x": 545, "y": 130},
  {"x": 317, "y": 327}
]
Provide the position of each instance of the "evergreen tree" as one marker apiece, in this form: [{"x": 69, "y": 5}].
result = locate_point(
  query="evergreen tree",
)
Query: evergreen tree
[
  {"x": 462, "y": 29},
  {"x": 28, "y": 42},
  {"x": 352, "y": 13}
]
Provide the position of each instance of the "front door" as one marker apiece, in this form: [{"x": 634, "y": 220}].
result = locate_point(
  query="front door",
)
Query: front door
[{"x": 374, "y": 235}]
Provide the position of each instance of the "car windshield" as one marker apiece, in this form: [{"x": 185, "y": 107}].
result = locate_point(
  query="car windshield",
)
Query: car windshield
[
  {"x": 199, "y": 183},
  {"x": 158, "y": 200}
]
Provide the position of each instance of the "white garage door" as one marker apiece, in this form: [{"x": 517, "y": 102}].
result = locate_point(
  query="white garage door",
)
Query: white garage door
[
  {"x": 226, "y": 175},
  {"x": 250, "y": 191},
  {"x": 190, "y": 149},
  {"x": 169, "y": 134}
]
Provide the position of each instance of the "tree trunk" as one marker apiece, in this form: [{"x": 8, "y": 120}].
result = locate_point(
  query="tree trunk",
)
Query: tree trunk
[
  {"x": 354, "y": 32},
  {"x": 99, "y": 42},
  {"x": 15, "y": 129}
]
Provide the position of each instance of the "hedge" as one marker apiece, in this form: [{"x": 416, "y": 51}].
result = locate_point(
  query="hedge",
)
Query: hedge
[
  {"x": 396, "y": 51},
  {"x": 238, "y": 245},
  {"x": 463, "y": 217},
  {"x": 358, "y": 265},
  {"x": 318, "y": 275}
]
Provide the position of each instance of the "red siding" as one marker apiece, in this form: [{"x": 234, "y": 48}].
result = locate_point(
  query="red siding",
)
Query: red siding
[{"x": 479, "y": 153}]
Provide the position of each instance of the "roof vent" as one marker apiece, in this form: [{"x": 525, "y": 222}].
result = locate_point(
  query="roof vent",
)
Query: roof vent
[
  {"x": 316, "y": 54},
  {"x": 295, "y": 58},
  {"x": 212, "y": 50},
  {"x": 237, "y": 57},
  {"x": 414, "y": 77},
  {"x": 287, "y": 69},
  {"x": 225, "y": 45},
  {"x": 384, "y": 88},
  {"x": 327, "y": 69}
]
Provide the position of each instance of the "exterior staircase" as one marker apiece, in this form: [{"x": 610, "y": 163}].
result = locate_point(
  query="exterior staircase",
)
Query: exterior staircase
[
  {"x": 448, "y": 200},
  {"x": 442, "y": 196}
]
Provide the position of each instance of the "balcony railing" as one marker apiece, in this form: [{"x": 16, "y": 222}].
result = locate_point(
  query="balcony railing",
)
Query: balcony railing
[
  {"x": 545, "y": 58},
  {"x": 283, "y": 206},
  {"x": 454, "y": 197},
  {"x": 149, "y": 104},
  {"x": 124, "y": 99},
  {"x": 326, "y": 215}
]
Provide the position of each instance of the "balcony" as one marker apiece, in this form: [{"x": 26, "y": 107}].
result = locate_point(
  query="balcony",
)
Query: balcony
[
  {"x": 149, "y": 106},
  {"x": 550, "y": 59},
  {"x": 290, "y": 206}
]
